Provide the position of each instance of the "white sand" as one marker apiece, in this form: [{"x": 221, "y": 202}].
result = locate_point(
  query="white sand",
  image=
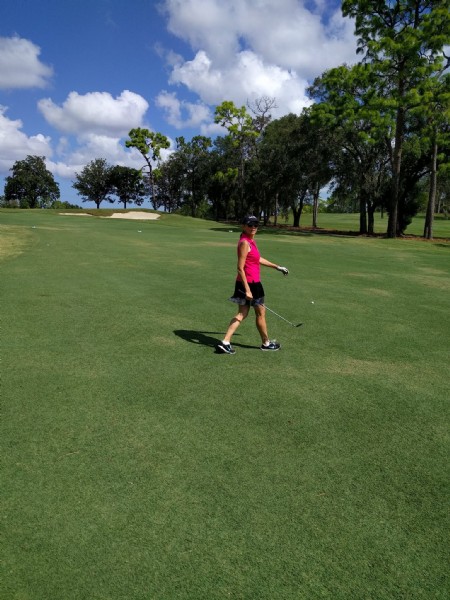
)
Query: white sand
[
  {"x": 141, "y": 215},
  {"x": 134, "y": 215},
  {"x": 76, "y": 214}
]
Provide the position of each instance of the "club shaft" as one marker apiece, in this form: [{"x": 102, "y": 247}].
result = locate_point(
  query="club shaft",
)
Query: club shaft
[
  {"x": 279, "y": 316},
  {"x": 254, "y": 303}
]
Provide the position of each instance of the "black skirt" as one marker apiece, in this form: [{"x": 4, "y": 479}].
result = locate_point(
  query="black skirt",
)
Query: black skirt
[{"x": 256, "y": 289}]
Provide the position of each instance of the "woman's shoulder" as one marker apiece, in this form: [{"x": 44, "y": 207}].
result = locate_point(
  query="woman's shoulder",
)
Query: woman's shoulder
[{"x": 243, "y": 240}]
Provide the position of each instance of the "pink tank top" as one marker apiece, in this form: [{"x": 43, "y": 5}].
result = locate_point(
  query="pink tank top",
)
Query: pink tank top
[{"x": 252, "y": 265}]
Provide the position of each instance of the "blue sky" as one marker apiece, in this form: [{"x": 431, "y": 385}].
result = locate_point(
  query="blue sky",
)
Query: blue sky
[{"x": 77, "y": 75}]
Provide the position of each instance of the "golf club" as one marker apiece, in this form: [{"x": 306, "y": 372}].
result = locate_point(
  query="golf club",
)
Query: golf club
[
  {"x": 279, "y": 316},
  {"x": 275, "y": 313}
]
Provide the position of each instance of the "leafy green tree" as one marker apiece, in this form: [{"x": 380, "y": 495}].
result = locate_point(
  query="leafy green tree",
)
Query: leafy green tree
[
  {"x": 435, "y": 109},
  {"x": 294, "y": 158},
  {"x": 348, "y": 106},
  {"x": 243, "y": 134},
  {"x": 415, "y": 166},
  {"x": 59, "y": 205},
  {"x": 280, "y": 154},
  {"x": 31, "y": 184},
  {"x": 257, "y": 189},
  {"x": 244, "y": 173},
  {"x": 195, "y": 159},
  {"x": 352, "y": 104},
  {"x": 127, "y": 185},
  {"x": 149, "y": 143},
  {"x": 183, "y": 180},
  {"x": 403, "y": 40},
  {"x": 169, "y": 183},
  {"x": 443, "y": 191},
  {"x": 94, "y": 184},
  {"x": 315, "y": 151},
  {"x": 224, "y": 180}
]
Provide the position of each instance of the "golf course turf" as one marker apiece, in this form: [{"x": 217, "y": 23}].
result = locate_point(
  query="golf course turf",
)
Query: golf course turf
[{"x": 137, "y": 463}]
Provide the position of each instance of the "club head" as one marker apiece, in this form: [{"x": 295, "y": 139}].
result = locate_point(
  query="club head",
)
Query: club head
[{"x": 299, "y": 325}]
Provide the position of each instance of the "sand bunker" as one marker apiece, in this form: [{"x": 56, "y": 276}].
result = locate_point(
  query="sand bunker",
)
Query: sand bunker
[
  {"x": 141, "y": 215},
  {"x": 76, "y": 214},
  {"x": 134, "y": 215}
]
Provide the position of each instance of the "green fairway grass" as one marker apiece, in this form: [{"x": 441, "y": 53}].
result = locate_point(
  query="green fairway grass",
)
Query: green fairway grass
[
  {"x": 137, "y": 463},
  {"x": 350, "y": 222}
]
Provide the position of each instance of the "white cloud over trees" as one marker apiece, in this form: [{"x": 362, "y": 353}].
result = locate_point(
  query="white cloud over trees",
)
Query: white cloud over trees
[
  {"x": 95, "y": 113},
  {"x": 181, "y": 113},
  {"x": 237, "y": 50},
  {"x": 16, "y": 145},
  {"x": 245, "y": 49}
]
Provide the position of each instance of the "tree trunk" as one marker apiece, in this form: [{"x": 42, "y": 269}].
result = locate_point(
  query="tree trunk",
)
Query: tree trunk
[
  {"x": 428, "y": 229},
  {"x": 275, "y": 220},
  {"x": 362, "y": 215},
  {"x": 399, "y": 127},
  {"x": 315, "y": 205},
  {"x": 241, "y": 185},
  {"x": 151, "y": 181},
  {"x": 297, "y": 212},
  {"x": 370, "y": 218}
]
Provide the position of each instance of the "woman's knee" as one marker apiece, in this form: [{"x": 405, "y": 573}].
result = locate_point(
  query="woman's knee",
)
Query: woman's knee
[
  {"x": 243, "y": 312},
  {"x": 260, "y": 311},
  {"x": 238, "y": 318}
]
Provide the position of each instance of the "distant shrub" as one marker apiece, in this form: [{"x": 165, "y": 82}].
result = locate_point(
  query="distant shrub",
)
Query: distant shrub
[
  {"x": 57, "y": 204},
  {"x": 8, "y": 203}
]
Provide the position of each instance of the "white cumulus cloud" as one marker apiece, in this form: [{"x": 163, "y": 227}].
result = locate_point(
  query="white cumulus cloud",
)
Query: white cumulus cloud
[
  {"x": 20, "y": 66},
  {"x": 181, "y": 113},
  {"x": 93, "y": 146},
  {"x": 96, "y": 113},
  {"x": 246, "y": 79},
  {"x": 16, "y": 145},
  {"x": 246, "y": 49}
]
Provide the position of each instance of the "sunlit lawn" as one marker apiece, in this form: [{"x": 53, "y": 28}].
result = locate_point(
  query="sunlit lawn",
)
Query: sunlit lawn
[
  {"x": 350, "y": 222},
  {"x": 137, "y": 463}
]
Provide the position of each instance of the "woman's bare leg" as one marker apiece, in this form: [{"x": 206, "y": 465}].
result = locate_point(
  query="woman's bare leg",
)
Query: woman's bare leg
[
  {"x": 235, "y": 322},
  {"x": 261, "y": 325}
]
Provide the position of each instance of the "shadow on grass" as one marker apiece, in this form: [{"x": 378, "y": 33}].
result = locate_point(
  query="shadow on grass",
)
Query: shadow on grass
[
  {"x": 288, "y": 230},
  {"x": 203, "y": 338},
  {"x": 262, "y": 229}
]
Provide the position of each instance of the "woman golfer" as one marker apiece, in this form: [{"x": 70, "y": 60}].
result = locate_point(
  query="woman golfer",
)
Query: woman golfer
[{"x": 248, "y": 289}]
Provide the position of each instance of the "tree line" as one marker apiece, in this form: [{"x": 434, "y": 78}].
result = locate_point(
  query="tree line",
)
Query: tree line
[{"x": 376, "y": 136}]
